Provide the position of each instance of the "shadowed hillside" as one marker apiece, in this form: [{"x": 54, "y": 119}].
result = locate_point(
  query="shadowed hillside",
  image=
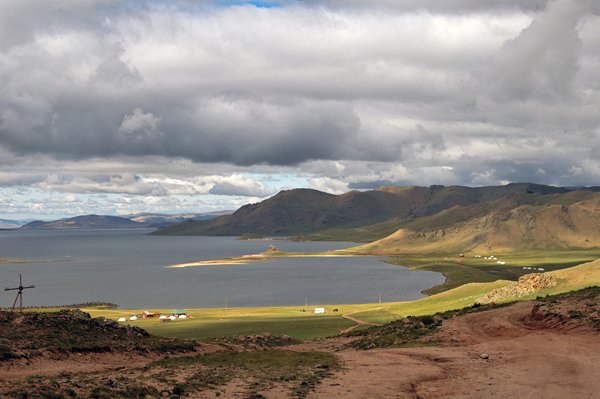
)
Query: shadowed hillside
[
  {"x": 304, "y": 211},
  {"x": 524, "y": 227}
]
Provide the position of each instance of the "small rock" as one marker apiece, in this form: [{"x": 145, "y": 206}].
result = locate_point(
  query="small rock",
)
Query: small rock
[{"x": 484, "y": 356}]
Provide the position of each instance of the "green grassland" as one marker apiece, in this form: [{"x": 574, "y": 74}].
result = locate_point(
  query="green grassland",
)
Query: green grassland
[
  {"x": 459, "y": 270},
  {"x": 208, "y": 323}
]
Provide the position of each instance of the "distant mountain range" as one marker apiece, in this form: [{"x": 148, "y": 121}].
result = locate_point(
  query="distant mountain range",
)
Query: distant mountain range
[
  {"x": 153, "y": 220},
  {"x": 11, "y": 224},
  {"x": 421, "y": 219}
]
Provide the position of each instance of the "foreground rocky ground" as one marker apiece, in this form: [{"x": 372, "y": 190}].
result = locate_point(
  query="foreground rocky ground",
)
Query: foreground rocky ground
[{"x": 546, "y": 348}]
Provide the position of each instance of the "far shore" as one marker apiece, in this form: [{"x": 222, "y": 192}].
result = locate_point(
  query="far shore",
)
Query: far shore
[
  {"x": 243, "y": 260},
  {"x": 5, "y": 261}
]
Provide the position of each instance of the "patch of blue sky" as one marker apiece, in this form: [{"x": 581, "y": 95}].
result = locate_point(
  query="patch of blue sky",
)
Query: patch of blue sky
[
  {"x": 280, "y": 181},
  {"x": 255, "y": 3},
  {"x": 198, "y": 6}
]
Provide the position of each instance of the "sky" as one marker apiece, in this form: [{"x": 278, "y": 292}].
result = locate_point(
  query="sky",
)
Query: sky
[{"x": 118, "y": 107}]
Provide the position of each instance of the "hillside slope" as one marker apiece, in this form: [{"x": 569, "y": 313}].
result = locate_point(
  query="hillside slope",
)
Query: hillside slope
[
  {"x": 447, "y": 217},
  {"x": 303, "y": 211},
  {"x": 524, "y": 227}
]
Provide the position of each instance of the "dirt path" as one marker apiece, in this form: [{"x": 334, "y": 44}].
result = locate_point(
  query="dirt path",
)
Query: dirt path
[
  {"x": 358, "y": 322},
  {"x": 527, "y": 359}
]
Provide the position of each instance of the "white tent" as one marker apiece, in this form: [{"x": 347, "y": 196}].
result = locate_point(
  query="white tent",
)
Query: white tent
[
  {"x": 319, "y": 310},
  {"x": 122, "y": 319}
]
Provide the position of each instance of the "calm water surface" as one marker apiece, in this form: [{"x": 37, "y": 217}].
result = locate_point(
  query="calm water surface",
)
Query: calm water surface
[{"x": 127, "y": 267}]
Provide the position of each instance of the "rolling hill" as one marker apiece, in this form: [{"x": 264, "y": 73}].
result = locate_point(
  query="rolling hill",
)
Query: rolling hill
[
  {"x": 576, "y": 225},
  {"x": 304, "y": 211},
  {"x": 447, "y": 217},
  {"x": 139, "y": 220},
  {"x": 85, "y": 221}
]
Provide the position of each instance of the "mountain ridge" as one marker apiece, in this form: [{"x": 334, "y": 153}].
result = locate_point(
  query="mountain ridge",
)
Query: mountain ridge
[
  {"x": 524, "y": 227},
  {"x": 305, "y": 211}
]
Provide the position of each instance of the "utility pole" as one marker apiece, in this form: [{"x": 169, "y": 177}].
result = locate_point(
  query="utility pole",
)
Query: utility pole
[
  {"x": 379, "y": 296},
  {"x": 306, "y": 300},
  {"x": 19, "y": 297}
]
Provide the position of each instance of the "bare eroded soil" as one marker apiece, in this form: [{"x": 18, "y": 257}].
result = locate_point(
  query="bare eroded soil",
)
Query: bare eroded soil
[{"x": 526, "y": 358}]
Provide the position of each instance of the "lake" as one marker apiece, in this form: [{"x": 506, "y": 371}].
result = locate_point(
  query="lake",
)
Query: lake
[{"x": 127, "y": 267}]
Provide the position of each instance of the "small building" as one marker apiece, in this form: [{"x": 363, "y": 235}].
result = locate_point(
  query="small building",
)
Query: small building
[
  {"x": 319, "y": 310},
  {"x": 148, "y": 315}
]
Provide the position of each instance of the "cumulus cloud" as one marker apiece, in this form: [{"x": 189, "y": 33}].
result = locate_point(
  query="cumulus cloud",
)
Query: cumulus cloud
[
  {"x": 178, "y": 98},
  {"x": 157, "y": 185},
  {"x": 544, "y": 59},
  {"x": 139, "y": 123}
]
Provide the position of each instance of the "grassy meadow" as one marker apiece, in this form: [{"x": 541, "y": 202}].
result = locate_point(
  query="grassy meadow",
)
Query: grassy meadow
[
  {"x": 213, "y": 322},
  {"x": 459, "y": 271}
]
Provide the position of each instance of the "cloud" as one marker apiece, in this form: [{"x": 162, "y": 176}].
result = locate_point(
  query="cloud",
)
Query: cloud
[
  {"x": 202, "y": 98},
  {"x": 157, "y": 185},
  {"x": 544, "y": 59},
  {"x": 241, "y": 85},
  {"x": 329, "y": 185},
  {"x": 447, "y": 6},
  {"x": 138, "y": 123}
]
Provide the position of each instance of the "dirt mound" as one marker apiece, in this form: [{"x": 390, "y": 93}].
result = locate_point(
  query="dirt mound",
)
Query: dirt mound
[
  {"x": 30, "y": 334},
  {"x": 568, "y": 311},
  {"x": 527, "y": 284}
]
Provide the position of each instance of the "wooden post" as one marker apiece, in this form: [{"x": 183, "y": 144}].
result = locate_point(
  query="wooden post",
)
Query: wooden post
[{"x": 19, "y": 296}]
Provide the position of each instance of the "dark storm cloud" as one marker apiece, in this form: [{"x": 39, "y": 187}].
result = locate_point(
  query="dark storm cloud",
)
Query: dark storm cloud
[{"x": 462, "y": 91}]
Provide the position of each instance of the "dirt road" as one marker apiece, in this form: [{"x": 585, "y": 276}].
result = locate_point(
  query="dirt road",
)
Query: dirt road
[
  {"x": 348, "y": 316},
  {"x": 527, "y": 359}
]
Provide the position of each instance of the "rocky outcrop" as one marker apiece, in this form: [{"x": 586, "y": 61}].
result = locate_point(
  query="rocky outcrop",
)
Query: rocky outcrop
[{"x": 526, "y": 285}]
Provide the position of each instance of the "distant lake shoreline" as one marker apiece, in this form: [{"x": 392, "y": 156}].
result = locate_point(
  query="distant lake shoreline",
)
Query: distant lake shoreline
[{"x": 128, "y": 267}]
